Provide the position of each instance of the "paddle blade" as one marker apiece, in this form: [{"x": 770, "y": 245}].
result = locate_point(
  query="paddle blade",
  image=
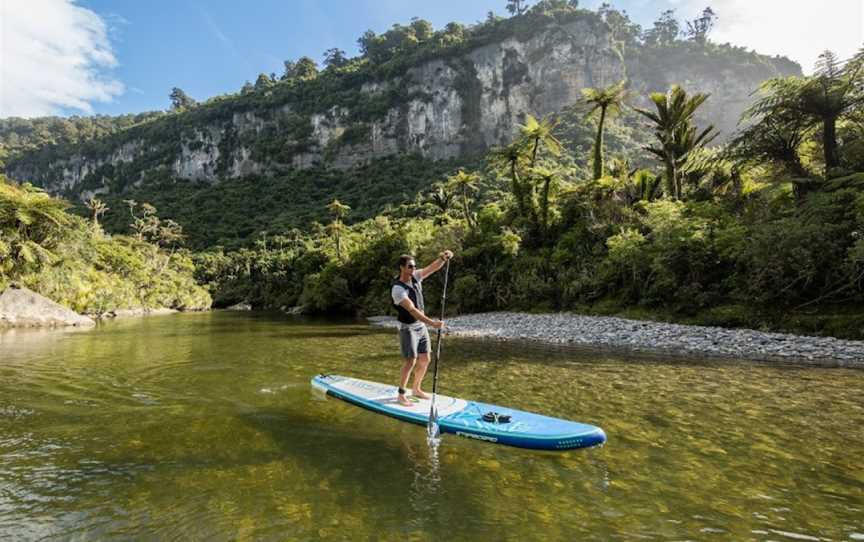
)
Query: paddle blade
[{"x": 433, "y": 430}]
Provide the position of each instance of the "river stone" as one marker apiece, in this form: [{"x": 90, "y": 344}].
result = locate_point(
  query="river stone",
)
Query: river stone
[
  {"x": 242, "y": 306},
  {"x": 20, "y": 307}
]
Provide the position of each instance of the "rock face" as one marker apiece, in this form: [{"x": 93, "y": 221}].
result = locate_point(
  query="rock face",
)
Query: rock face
[
  {"x": 441, "y": 108},
  {"x": 20, "y": 307}
]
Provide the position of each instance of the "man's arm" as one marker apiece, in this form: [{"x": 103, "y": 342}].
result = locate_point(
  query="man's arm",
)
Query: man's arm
[
  {"x": 418, "y": 314},
  {"x": 435, "y": 265}
]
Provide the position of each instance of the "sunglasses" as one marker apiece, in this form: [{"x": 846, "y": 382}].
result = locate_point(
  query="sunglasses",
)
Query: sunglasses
[{"x": 411, "y": 266}]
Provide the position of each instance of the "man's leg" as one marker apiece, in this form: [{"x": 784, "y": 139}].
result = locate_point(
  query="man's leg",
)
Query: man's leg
[
  {"x": 403, "y": 381},
  {"x": 423, "y": 344},
  {"x": 409, "y": 355},
  {"x": 422, "y": 366}
]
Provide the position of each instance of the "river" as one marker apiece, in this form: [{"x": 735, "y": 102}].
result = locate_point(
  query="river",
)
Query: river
[{"x": 204, "y": 427}]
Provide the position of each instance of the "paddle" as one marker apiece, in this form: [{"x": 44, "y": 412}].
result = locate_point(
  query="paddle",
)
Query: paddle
[{"x": 432, "y": 429}]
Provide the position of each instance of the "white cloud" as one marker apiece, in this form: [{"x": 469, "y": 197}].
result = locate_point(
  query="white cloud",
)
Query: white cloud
[
  {"x": 54, "y": 57},
  {"x": 794, "y": 28}
]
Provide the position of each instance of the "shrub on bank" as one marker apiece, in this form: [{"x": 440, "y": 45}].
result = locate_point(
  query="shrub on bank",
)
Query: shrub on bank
[{"x": 71, "y": 261}]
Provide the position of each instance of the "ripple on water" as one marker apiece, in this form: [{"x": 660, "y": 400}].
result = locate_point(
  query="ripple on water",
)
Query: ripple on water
[
  {"x": 795, "y": 536},
  {"x": 205, "y": 427},
  {"x": 13, "y": 412}
]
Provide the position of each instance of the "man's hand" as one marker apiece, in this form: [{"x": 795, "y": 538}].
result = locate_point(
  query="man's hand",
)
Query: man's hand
[
  {"x": 435, "y": 265},
  {"x": 437, "y": 324}
]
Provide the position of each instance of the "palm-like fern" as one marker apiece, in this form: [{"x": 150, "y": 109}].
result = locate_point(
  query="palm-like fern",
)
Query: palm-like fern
[
  {"x": 98, "y": 208},
  {"x": 676, "y": 134},
  {"x": 510, "y": 158},
  {"x": 464, "y": 183},
  {"x": 31, "y": 222},
  {"x": 608, "y": 101},
  {"x": 549, "y": 182},
  {"x": 339, "y": 210},
  {"x": 539, "y": 133},
  {"x": 442, "y": 199},
  {"x": 817, "y": 101}
]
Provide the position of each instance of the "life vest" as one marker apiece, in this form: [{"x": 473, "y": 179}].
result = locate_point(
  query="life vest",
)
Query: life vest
[{"x": 415, "y": 294}]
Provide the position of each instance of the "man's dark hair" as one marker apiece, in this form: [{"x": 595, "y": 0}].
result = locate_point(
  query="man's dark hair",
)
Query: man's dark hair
[{"x": 404, "y": 259}]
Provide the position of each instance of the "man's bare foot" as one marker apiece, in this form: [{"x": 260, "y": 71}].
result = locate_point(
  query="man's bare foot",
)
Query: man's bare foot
[
  {"x": 421, "y": 394},
  {"x": 404, "y": 401}
]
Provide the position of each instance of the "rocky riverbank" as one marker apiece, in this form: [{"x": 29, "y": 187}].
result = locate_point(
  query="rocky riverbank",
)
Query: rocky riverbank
[{"x": 654, "y": 337}]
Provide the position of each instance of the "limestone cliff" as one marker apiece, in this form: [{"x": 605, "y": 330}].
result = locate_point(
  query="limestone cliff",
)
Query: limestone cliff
[{"x": 441, "y": 108}]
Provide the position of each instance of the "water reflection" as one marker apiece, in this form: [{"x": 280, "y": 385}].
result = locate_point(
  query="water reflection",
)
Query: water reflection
[
  {"x": 204, "y": 427},
  {"x": 19, "y": 342}
]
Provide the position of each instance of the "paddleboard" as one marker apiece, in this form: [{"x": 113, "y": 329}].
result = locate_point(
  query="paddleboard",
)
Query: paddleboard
[{"x": 466, "y": 418}]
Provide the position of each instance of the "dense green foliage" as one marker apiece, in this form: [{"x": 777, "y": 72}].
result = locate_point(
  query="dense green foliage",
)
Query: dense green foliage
[
  {"x": 609, "y": 215},
  {"x": 230, "y": 214},
  {"x": 726, "y": 243},
  {"x": 18, "y": 135},
  {"x": 795, "y": 108},
  {"x": 71, "y": 261}
]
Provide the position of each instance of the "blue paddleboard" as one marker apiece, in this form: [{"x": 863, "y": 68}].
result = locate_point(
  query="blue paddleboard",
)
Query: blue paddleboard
[{"x": 466, "y": 418}]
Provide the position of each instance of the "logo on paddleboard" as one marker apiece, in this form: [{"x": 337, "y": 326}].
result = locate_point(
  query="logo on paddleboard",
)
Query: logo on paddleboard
[
  {"x": 477, "y": 437},
  {"x": 370, "y": 387}
]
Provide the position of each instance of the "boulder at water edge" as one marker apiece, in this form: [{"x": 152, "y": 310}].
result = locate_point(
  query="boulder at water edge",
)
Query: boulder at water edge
[{"x": 20, "y": 307}]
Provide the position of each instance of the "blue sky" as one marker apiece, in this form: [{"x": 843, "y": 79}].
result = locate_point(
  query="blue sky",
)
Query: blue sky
[
  {"x": 212, "y": 47},
  {"x": 134, "y": 52}
]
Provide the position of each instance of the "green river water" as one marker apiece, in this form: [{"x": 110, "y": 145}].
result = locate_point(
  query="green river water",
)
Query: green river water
[{"x": 204, "y": 427}]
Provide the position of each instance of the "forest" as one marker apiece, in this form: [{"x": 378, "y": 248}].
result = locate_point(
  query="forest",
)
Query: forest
[{"x": 765, "y": 231}]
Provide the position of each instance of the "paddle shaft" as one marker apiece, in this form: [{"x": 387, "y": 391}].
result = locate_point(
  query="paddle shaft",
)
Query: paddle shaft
[{"x": 438, "y": 345}]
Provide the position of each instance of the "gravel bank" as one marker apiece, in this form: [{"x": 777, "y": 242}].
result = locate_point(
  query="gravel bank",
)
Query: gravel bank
[{"x": 654, "y": 337}]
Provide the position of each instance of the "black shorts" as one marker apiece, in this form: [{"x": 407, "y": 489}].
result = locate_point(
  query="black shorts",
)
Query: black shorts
[{"x": 413, "y": 339}]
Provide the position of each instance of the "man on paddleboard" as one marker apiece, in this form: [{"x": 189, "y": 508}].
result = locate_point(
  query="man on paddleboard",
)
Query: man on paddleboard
[{"x": 407, "y": 294}]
